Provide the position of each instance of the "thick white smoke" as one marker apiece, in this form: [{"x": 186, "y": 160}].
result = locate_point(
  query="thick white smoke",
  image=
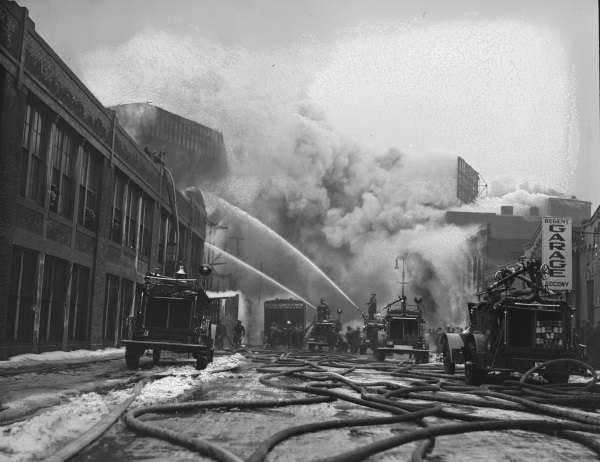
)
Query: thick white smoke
[{"x": 351, "y": 209}]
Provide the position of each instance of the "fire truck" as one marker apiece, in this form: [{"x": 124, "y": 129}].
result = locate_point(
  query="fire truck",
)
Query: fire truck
[
  {"x": 512, "y": 329},
  {"x": 284, "y": 322},
  {"x": 173, "y": 314},
  {"x": 402, "y": 331},
  {"x": 324, "y": 330}
]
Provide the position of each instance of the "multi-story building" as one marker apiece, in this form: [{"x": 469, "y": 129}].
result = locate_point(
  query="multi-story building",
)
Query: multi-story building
[
  {"x": 84, "y": 211},
  {"x": 195, "y": 153},
  {"x": 587, "y": 251},
  {"x": 506, "y": 236}
]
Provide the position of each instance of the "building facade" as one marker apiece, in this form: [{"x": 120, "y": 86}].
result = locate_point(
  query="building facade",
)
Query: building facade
[
  {"x": 587, "y": 249},
  {"x": 195, "y": 153},
  {"x": 506, "y": 237},
  {"x": 84, "y": 211}
]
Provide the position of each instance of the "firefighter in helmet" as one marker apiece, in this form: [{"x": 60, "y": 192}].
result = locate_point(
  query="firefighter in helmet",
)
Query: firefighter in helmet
[
  {"x": 372, "y": 307},
  {"x": 322, "y": 311},
  {"x": 238, "y": 333}
]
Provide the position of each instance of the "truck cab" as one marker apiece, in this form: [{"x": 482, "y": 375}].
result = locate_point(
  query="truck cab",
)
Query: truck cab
[
  {"x": 322, "y": 334},
  {"x": 403, "y": 331}
]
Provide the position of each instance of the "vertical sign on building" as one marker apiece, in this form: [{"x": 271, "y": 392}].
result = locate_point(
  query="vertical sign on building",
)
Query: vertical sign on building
[{"x": 557, "y": 252}]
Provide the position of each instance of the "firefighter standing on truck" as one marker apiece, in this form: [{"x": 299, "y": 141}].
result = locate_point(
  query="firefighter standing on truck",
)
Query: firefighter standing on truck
[
  {"x": 322, "y": 311},
  {"x": 372, "y": 303}
]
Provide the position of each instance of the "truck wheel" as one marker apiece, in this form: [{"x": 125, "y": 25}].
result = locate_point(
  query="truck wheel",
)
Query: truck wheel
[
  {"x": 556, "y": 377},
  {"x": 132, "y": 358},
  {"x": 311, "y": 347},
  {"x": 422, "y": 358},
  {"x": 474, "y": 375},
  {"x": 201, "y": 363},
  {"x": 380, "y": 355},
  {"x": 363, "y": 350},
  {"x": 155, "y": 356},
  {"x": 449, "y": 366}
]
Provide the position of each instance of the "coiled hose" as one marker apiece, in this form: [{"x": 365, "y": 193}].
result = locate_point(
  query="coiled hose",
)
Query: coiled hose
[{"x": 323, "y": 375}]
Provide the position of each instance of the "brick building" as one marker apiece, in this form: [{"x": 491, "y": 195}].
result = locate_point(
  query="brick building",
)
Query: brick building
[
  {"x": 84, "y": 212},
  {"x": 193, "y": 152},
  {"x": 587, "y": 264},
  {"x": 506, "y": 236}
]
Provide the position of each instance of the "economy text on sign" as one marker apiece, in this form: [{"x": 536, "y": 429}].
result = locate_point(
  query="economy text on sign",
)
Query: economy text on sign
[{"x": 557, "y": 251}]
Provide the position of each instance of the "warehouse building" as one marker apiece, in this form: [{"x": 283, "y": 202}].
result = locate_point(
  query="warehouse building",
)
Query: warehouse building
[
  {"x": 195, "y": 153},
  {"x": 84, "y": 212}
]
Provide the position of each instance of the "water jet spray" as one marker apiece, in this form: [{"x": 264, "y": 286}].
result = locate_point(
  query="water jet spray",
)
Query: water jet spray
[
  {"x": 272, "y": 233},
  {"x": 259, "y": 273}
]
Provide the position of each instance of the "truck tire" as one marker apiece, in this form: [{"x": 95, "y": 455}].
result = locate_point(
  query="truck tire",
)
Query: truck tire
[
  {"x": 449, "y": 366},
  {"x": 311, "y": 347},
  {"x": 201, "y": 363},
  {"x": 380, "y": 355},
  {"x": 132, "y": 358},
  {"x": 422, "y": 357},
  {"x": 474, "y": 375},
  {"x": 556, "y": 377},
  {"x": 155, "y": 356}
]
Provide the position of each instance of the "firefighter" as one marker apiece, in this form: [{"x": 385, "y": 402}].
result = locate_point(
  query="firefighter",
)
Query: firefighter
[
  {"x": 349, "y": 334},
  {"x": 594, "y": 347},
  {"x": 342, "y": 344},
  {"x": 332, "y": 338},
  {"x": 273, "y": 335},
  {"x": 298, "y": 335},
  {"x": 238, "y": 333},
  {"x": 372, "y": 304},
  {"x": 322, "y": 311},
  {"x": 220, "y": 335},
  {"x": 353, "y": 339}
]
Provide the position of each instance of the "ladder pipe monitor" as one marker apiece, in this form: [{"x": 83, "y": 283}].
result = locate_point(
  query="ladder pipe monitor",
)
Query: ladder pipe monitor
[{"x": 175, "y": 211}]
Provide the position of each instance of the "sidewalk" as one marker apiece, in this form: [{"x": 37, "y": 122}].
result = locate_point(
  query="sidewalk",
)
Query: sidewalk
[{"x": 53, "y": 359}]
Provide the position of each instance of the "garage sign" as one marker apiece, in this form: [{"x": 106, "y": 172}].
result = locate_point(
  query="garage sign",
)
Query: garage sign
[{"x": 557, "y": 252}]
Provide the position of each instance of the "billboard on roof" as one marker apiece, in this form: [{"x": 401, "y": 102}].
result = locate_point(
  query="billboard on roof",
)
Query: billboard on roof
[{"x": 467, "y": 182}]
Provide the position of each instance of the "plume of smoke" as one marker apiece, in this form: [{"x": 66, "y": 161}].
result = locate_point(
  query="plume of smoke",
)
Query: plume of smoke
[{"x": 351, "y": 209}]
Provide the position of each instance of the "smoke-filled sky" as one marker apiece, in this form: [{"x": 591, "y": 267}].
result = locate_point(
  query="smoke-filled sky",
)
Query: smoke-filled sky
[
  {"x": 343, "y": 118},
  {"x": 511, "y": 86}
]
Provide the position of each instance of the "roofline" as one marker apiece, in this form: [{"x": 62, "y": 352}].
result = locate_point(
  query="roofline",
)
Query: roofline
[{"x": 168, "y": 112}]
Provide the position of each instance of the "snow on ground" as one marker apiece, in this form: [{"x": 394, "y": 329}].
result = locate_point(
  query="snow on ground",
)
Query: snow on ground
[
  {"x": 178, "y": 379},
  {"x": 43, "y": 434},
  {"x": 223, "y": 294},
  {"x": 17, "y": 361}
]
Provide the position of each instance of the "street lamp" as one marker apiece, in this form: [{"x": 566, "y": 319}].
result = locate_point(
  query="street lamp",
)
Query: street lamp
[{"x": 288, "y": 327}]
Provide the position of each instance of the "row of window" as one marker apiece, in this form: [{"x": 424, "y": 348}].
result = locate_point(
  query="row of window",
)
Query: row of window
[
  {"x": 131, "y": 215},
  {"x": 185, "y": 136},
  {"x": 58, "y": 278},
  {"x": 65, "y": 292},
  {"x": 74, "y": 167}
]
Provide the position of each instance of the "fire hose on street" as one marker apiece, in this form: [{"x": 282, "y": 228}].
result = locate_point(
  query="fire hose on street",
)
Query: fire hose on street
[{"x": 312, "y": 375}]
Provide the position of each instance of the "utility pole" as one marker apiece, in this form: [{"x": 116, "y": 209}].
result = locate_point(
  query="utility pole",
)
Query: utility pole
[
  {"x": 402, "y": 297},
  {"x": 397, "y": 266},
  {"x": 234, "y": 282},
  {"x": 260, "y": 266}
]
